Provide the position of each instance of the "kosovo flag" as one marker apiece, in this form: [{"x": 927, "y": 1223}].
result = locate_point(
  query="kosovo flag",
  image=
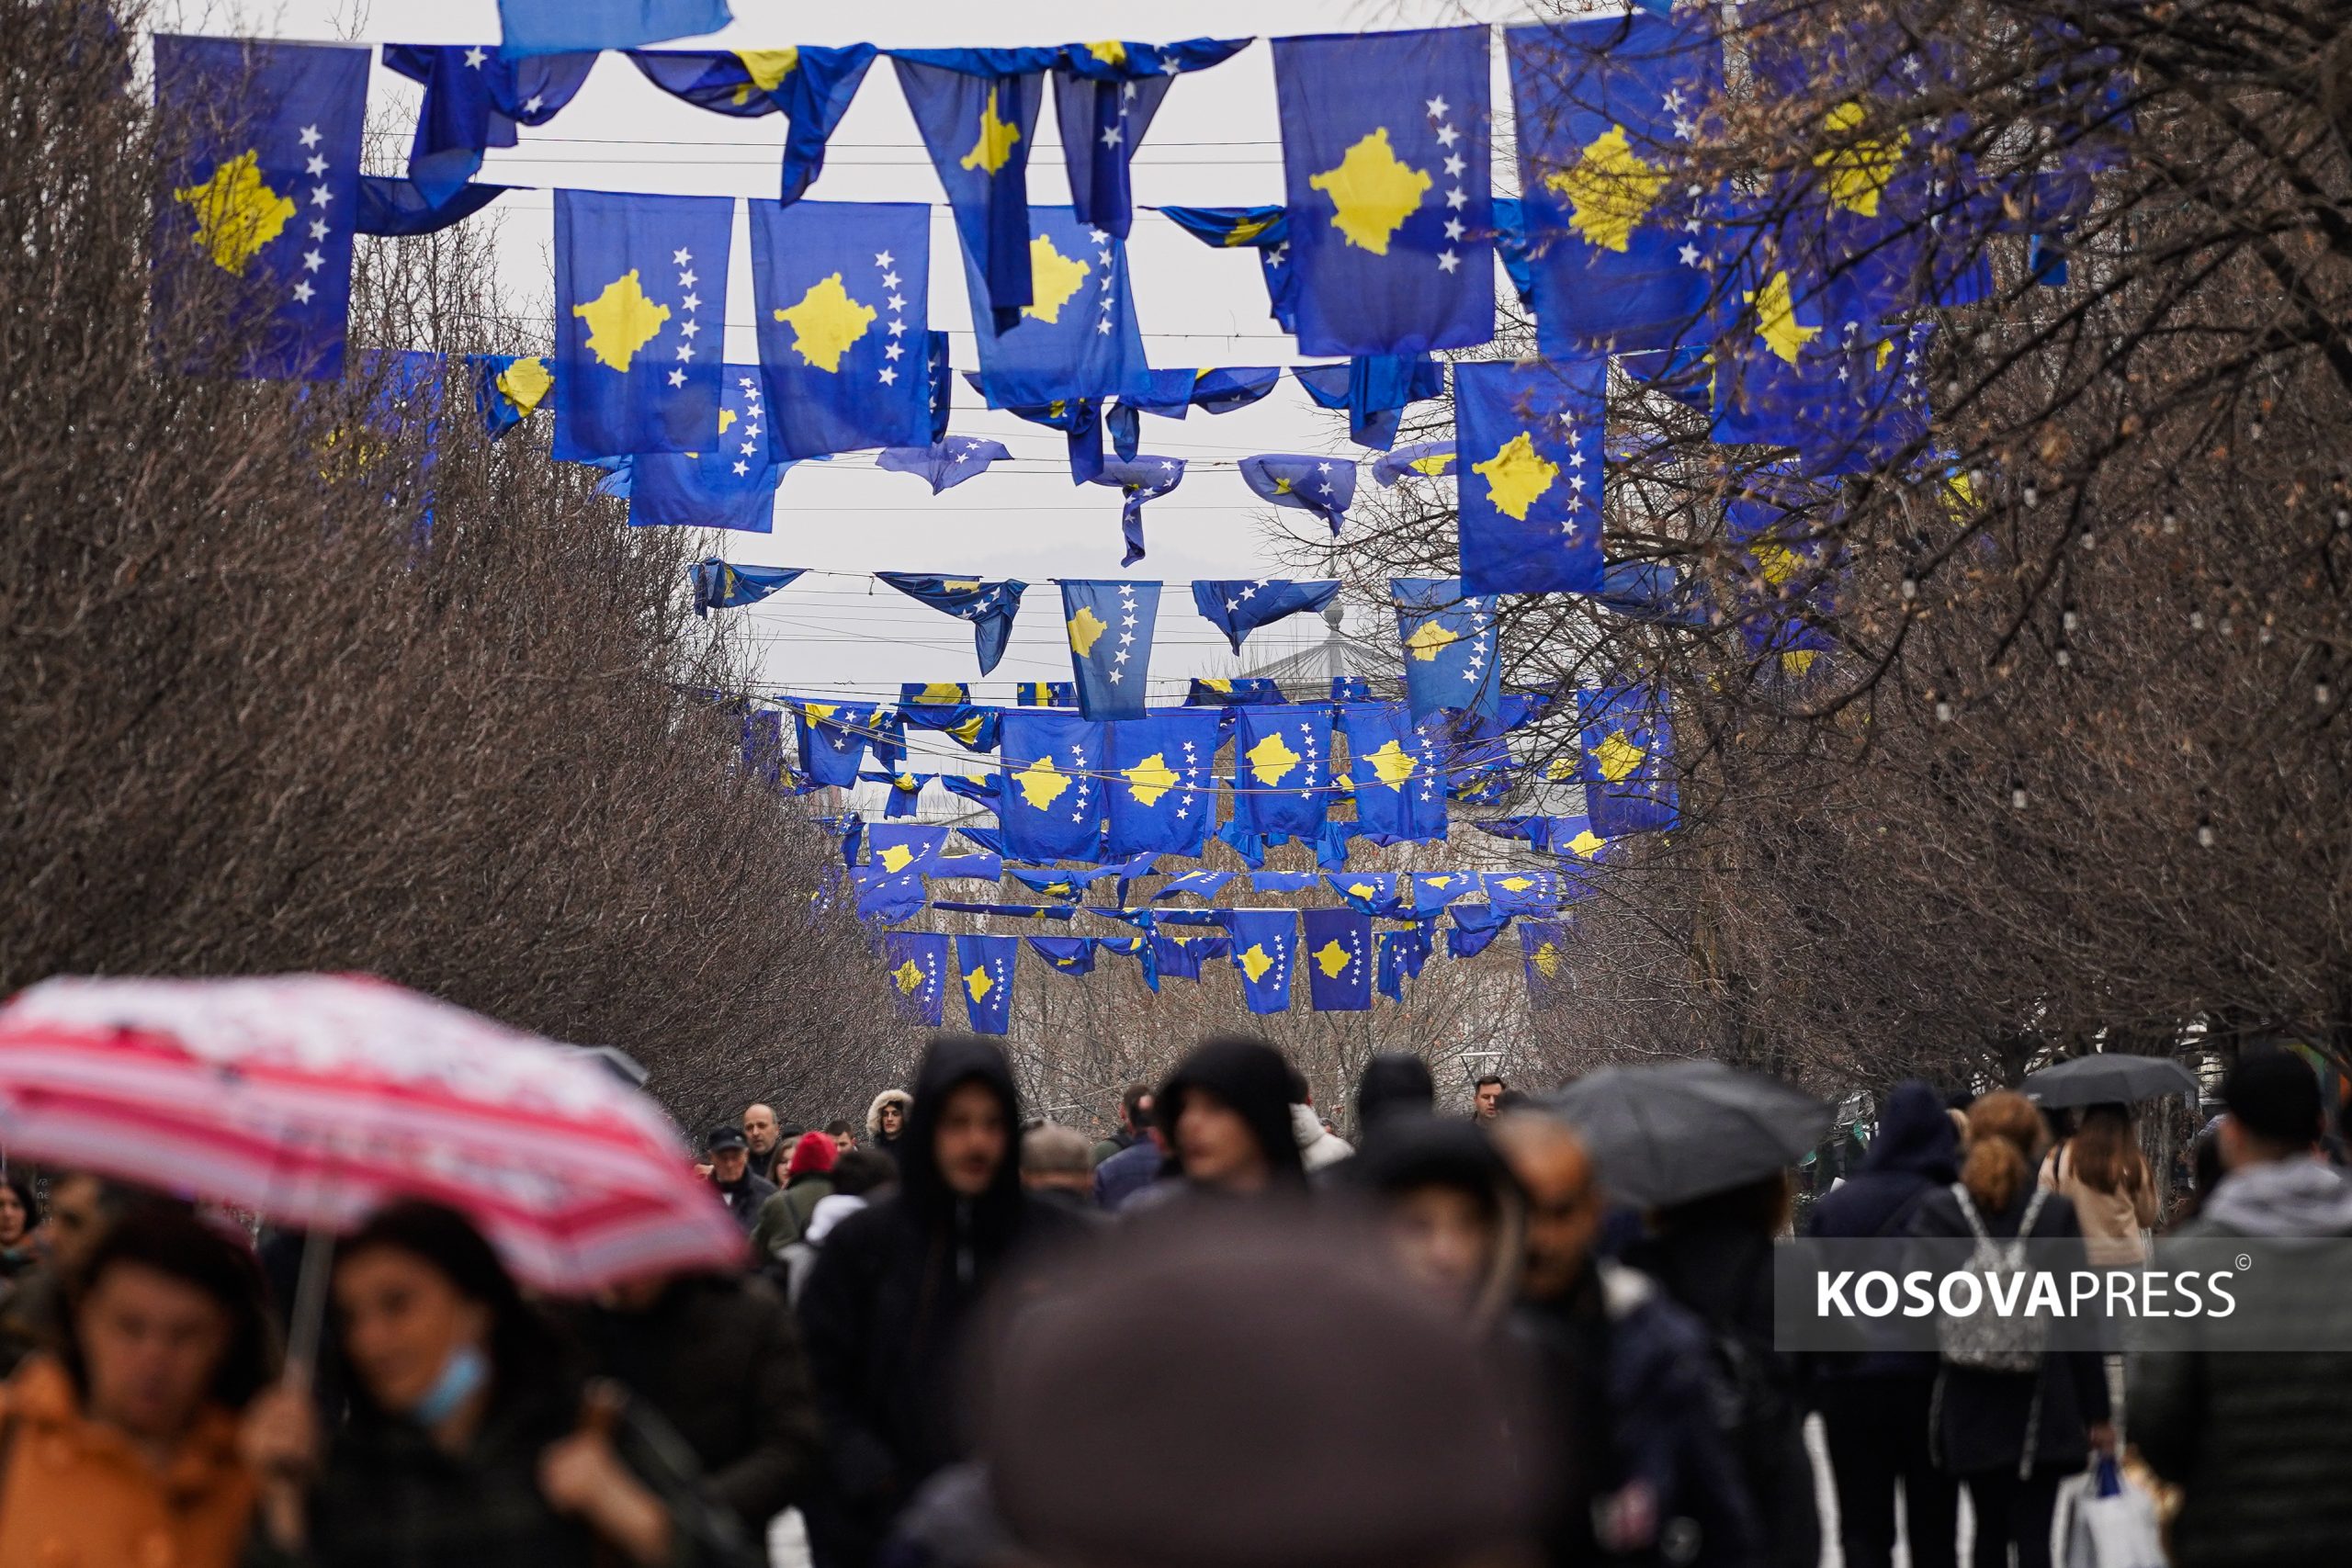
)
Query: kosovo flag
[
  {"x": 905, "y": 798},
  {"x": 1222, "y": 390},
  {"x": 1163, "y": 798},
  {"x": 1474, "y": 930},
  {"x": 548, "y": 26},
  {"x": 1282, "y": 768},
  {"x": 990, "y": 606},
  {"x": 1385, "y": 161},
  {"x": 730, "y": 483},
  {"x": 1237, "y": 607},
  {"x": 833, "y": 738},
  {"x": 1367, "y": 892},
  {"x": 474, "y": 99},
  {"x": 1214, "y": 692},
  {"x": 721, "y": 586},
  {"x": 932, "y": 694},
  {"x": 1050, "y": 803},
  {"x": 1070, "y": 955},
  {"x": 1078, "y": 337},
  {"x": 1048, "y": 693},
  {"x": 841, "y": 292},
  {"x": 1263, "y": 941},
  {"x": 1374, "y": 390},
  {"x": 1105, "y": 97},
  {"x": 637, "y": 365},
  {"x": 1530, "y": 484},
  {"x": 1402, "y": 954},
  {"x": 918, "y": 961},
  {"x": 1544, "y": 949},
  {"x": 916, "y": 846},
  {"x": 1054, "y": 884},
  {"x": 1790, "y": 567},
  {"x": 508, "y": 389},
  {"x": 1398, "y": 768},
  {"x": 978, "y": 111},
  {"x": 254, "y": 212},
  {"x": 1571, "y": 838},
  {"x": 1143, "y": 479},
  {"x": 1265, "y": 229},
  {"x": 1179, "y": 955},
  {"x": 1199, "y": 883},
  {"x": 1426, "y": 459},
  {"x": 392, "y": 209},
  {"x": 1110, "y": 627},
  {"x": 1135, "y": 947},
  {"x": 971, "y": 726},
  {"x": 1522, "y": 892},
  {"x": 1607, "y": 109},
  {"x": 1628, "y": 777},
  {"x": 984, "y": 966},
  {"x": 884, "y": 896},
  {"x": 945, "y": 463},
  {"x": 1324, "y": 486},
  {"x": 763, "y": 747},
  {"x": 1339, "y": 960},
  {"x": 1433, "y": 890},
  {"x": 1450, "y": 653},
  {"x": 812, "y": 86}
]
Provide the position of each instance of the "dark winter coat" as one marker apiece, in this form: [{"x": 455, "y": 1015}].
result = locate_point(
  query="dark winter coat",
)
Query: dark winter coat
[
  {"x": 1250, "y": 1077},
  {"x": 1125, "y": 1174},
  {"x": 785, "y": 1216},
  {"x": 720, "y": 1358},
  {"x": 2260, "y": 1442},
  {"x": 888, "y": 1304},
  {"x": 1981, "y": 1418},
  {"x": 1916, "y": 1152},
  {"x": 744, "y": 1199}
]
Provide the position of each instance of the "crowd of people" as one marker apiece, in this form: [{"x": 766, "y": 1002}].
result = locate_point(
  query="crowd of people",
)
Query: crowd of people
[{"x": 1223, "y": 1334}]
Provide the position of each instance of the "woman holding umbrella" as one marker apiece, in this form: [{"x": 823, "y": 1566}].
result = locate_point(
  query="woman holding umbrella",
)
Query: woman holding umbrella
[{"x": 471, "y": 1441}]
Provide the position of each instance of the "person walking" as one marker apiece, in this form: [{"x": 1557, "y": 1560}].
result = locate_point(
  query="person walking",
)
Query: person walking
[
  {"x": 1875, "y": 1403},
  {"x": 892, "y": 1302},
  {"x": 1226, "y": 1109},
  {"x": 1320, "y": 1148},
  {"x": 2102, "y": 1172},
  {"x": 886, "y": 1120},
  {"x": 123, "y": 1448},
  {"x": 739, "y": 1188},
  {"x": 1393, "y": 1081},
  {"x": 1134, "y": 1116},
  {"x": 2011, "y": 1436},
  {"x": 1486, "y": 1099},
  {"x": 859, "y": 1177},
  {"x": 1449, "y": 1212},
  {"x": 470, "y": 1437},
  {"x": 808, "y": 1182},
  {"x": 769, "y": 1147}
]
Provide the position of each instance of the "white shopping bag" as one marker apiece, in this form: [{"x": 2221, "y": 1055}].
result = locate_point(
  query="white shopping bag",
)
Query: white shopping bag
[{"x": 2114, "y": 1524}]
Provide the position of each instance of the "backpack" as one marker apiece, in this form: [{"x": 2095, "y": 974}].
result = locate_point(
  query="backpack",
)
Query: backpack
[{"x": 1986, "y": 1341}]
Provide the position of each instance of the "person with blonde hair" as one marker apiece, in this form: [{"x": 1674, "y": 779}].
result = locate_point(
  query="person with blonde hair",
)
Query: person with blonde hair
[
  {"x": 2101, "y": 1171},
  {"x": 2011, "y": 1436}
]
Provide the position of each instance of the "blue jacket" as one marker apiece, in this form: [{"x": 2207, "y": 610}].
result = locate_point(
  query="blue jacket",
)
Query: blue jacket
[{"x": 1125, "y": 1174}]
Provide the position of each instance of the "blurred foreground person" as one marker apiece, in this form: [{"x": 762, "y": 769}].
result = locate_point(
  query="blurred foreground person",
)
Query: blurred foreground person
[
  {"x": 1307, "y": 1410},
  {"x": 1393, "y": 1081},
  {"x": 2260, "y": 1445},
  {"x": 470, "y": 1440},
  {"x": 20, "y": 1218},
  {"x": 123, "y": 1451},
  {"x": 1450, "y": 1209},
  {"x": 895, "y": 1288},
  {"x": 1226, "y": 1111},
  {"x": 32, "y": 1315},
  {"x": 1875, "y": 1405},
  {"x": 1641, "y": 1472}
]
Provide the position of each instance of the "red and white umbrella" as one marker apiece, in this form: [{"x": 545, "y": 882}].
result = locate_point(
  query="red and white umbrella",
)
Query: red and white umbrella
[{"x": 314, "y": 1100}]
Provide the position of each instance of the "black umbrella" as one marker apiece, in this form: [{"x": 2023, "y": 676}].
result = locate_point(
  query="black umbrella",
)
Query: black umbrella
[
  {"x": 1669, "y": 1132},
  {"x": 2110, "y": 1077}
]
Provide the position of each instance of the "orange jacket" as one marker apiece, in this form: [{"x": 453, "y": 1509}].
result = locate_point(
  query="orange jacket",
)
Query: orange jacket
[{"x": 75, "y": 1494}]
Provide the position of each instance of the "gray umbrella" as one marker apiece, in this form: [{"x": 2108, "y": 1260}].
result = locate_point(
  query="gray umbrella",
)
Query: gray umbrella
[
  {"x": 2109, "y": 1078},
  {"x": 1669, "y": 1132}
]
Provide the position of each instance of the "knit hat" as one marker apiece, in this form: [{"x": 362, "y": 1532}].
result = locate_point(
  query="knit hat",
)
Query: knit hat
[{"x": 813, "y": 1155}]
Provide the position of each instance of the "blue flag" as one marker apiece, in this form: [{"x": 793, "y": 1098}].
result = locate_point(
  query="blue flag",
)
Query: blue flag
[
  {"x": 1351, "y": 689},
  {"x": 1385, "y": 161},
  {"x": 932, "y": 694},
  {"x": 1339, "y": 960},
  {"x": 1367, "y": 892},
  {"x": 945, "y": 463},
  {"x": 1179, "y": 955},
  {"x": 1199, "y": 883},
  {"x": 971, "y": 726},
  {"x": 392, "y": 208},
  {"x": 640, "y": 319},
  {"x": 1450, "y": 653},
  {"x": 1543, "y": 950},
  {"x": 976, "y": 109},
  {"x": 984, "y": 967},
  {"x": 1374, "y": 391},
  {"x": 1283, "y": 881},
  {"x": 1606, "y": 108},
  {"x": 1070, "y": 955},
  {"x": 763, "y": 747},
  {"x": 1324, "y": 486},
  {"x": 719, "y": 585},
  {"x": 833, "y": 738},
  {"x": 1050, "y": 803},
  {"x": 254, "y": 210},
  {"x": 1110, "y": 627},
  {"x": 990, "y": 606},
  {"x": 886, "y": 896},
  {"x": 841, "y": 292},
  {"x": 729, "y": 483},
  {"x": 1143, "y": 479},
  {"x": 919, "y": 847},
  {"x": 1402, "y": 954},
  {"x": 1135, "y": 947},
  {"x": 905, "y": 796},
  {"x": 986, "y": 867},
  {"x": 1530, "y": 479},
  {"x": 1105, "y": 97},
  {"x": 917, "y": 969},
  {"x": 1474, "y": 930},
  {"x": 548, "y": 27},
  {"x": 474, "y": 99},
  {"x": 1424, "y": 460},
  {"x": 1163, "y": 798},
  {"x": 1432, "y": 891},
  {"x": 1214, "y": 692},
  {"x": 1629, "y": 771},
  {"x": 1238, "y": 607},
  {"x": 508, "y": 389},
  {"x": 1399, "y": 770},
  {"x": 1265, "y": 229},
  {"x": 1522, "y": 892},
  {"x": 1263, "y": 943},
  {"x": 1079, "y": 337},
  {"x": 1048, "y": 693},
  {"x": 812, "y": 87},
  {"x": 1789, "y": 571},
  {"x": 1282, "y": 782}
]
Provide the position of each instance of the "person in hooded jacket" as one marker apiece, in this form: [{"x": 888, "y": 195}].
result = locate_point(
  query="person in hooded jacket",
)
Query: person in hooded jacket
[
  {"x": 886, "y": 1120},
  {"x": 1320, "y": 1148},
  {"x": 896, "y": 1289},
  {"x": 1393, "y": 1081},
  {"x": 1227, "y": 1112},
  {"x": 1875, "y": 1403},
  {"x": 1452, "y": 1214}
]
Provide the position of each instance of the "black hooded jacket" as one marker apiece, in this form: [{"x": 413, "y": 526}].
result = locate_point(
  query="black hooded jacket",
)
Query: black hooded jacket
[
  {"x": 1249, "y": 1076},
  {"x": 888, "y": 1304},
  {"x": 1916, "y": 1152},
  {"x": 1394, "y": 1081}
]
